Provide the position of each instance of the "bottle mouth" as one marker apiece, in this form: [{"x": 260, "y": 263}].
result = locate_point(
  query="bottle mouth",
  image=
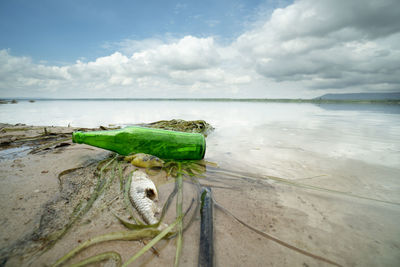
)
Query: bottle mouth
[{"x": 77, "y": 137}]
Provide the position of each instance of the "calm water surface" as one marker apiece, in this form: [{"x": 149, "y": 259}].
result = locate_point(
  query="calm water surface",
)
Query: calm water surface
[{"x": 245, "y": 131}]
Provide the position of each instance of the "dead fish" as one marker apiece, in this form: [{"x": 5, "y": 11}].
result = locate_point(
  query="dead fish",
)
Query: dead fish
[
  {"x": 144, "y": 160},
  {"x": 143, "y": 196}
]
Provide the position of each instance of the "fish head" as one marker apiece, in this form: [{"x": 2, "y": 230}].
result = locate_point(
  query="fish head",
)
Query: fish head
[
  {"x": 151, "y": 193},
  {"x": 156, "y": 162},
  {"x": 145, "y": 185}
]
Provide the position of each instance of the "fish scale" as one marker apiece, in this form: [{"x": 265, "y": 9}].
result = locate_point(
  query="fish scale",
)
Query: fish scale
[{"x": 145, "y": 206}]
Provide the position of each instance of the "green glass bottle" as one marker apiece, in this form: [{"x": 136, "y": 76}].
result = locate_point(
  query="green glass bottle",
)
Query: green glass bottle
[{"x": 161, "y": 143}]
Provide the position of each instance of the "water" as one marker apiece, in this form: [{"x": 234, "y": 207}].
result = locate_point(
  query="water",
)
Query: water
[
  {"x": 11, "y": 153},
  {"x": 344, "y": 146},
  {"x": 245, "y": 131},
  {"x": 267, "y": 154}
]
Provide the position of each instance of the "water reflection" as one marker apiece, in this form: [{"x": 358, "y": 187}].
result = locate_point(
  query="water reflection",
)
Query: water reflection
[
  {"x": 253, "y": 133},
  {"x": 384, "y": 108}
]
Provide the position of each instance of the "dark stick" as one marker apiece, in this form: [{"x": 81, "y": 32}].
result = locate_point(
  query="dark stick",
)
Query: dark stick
[{"x": 206, "y": 252}]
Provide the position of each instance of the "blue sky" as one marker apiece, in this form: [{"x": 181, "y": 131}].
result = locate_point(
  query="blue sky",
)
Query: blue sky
[
  {"x": 220, "y": 48},
  {"x": 64, "y": 31}
]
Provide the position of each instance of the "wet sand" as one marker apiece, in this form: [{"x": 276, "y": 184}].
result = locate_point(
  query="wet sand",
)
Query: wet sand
[{"x": 353, "y": 228}]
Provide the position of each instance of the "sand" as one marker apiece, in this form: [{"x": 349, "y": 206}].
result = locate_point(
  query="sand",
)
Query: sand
[{"x": 352, "y": 231}]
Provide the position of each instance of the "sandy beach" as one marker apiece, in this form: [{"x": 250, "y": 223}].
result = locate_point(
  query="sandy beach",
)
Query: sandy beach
[{"x": 44, "y": 176}]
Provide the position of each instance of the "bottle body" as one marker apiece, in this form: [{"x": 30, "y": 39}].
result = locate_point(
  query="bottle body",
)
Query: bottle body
[{"x": 161, "y": 143}]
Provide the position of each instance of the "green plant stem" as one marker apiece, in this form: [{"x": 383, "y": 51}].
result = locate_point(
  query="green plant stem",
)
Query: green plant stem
[
  {"x": 121, "y": 177},
  {"x": 100, "y": 257},
  {"x": 111, "y": 179},
  {"x": 135, "y": 226},
  {"x": 123, "y": 235},
  {"x": 97, "y": 191},
  {"x": 154, "y": 241},
  {"x": 179, "y": 201}
]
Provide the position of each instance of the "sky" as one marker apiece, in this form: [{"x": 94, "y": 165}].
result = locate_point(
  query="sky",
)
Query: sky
[{"x": 199, "y": 49}]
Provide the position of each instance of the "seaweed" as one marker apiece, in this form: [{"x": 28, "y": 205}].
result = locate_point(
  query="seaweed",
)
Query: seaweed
[
  {"x": 121, "y": 235},
  {"x": 98, "y": 258},
  {"x": 198, "y": 126},
  {"x": 275, "y": 239},
  {"x": 179, "y": 201},
  {"x": 79, "y": 211},
  {"x": 306, "y": 186},
  {"x": 191, "y": 168},
  {"x": 139, "y": 231},
  {"x": 161, "y": 235},
  {"x": 65, "y": 172},
  {"x": 121, "y": 178}
]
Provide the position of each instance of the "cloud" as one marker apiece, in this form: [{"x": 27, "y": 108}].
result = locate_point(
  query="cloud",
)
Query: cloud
[
  {"x": 328, "y": 44},
  {"x": 300, "y": 50},
  {"x": 313, "y": 18},
  {"x": 189, "y": 53},
  {"x": 18, "y": 73},
  {"x": 180, "y": 67}
]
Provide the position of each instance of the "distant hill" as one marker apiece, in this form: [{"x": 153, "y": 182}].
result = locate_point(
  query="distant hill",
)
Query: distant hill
[{"x": 361, "y": 96}]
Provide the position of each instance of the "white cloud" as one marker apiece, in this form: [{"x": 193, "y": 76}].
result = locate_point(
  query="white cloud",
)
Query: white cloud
[
  {"x": 298, "y": 51},
  {"x": 329, "y": 44},
  {"x": 189, "y": 53},
  {"x": 18, "y": 73}
]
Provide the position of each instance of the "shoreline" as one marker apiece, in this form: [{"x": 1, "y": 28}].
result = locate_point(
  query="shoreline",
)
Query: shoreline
[{"x": 255, "y": 100}]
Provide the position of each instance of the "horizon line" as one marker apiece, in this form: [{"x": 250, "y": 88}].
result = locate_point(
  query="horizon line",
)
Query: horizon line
[{"x": 287, "y": 100}]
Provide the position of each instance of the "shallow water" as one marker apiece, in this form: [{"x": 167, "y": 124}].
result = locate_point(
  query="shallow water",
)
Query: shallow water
[
  {"x": 14, "y": 152},
  {"x": 245, "y": 131}
]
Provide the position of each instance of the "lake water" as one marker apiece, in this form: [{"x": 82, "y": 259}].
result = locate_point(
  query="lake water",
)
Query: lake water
[
  {"x": 244, "y": 131},
  {"x": 352, "y": 151}
]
